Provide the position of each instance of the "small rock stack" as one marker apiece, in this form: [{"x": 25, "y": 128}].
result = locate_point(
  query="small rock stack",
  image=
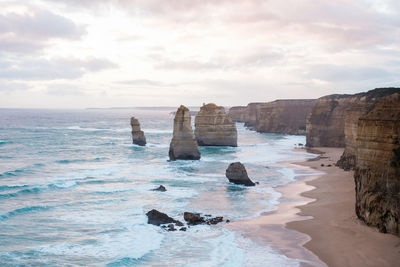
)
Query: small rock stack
[{"x": 138, "y": 137}]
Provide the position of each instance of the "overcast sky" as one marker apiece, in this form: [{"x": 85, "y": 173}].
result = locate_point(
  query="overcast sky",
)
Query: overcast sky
[{"x": 108, "y": 53}]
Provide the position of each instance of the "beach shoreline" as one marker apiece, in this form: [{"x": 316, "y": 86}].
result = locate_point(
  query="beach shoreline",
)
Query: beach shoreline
[{"x": 319, "y": 225}]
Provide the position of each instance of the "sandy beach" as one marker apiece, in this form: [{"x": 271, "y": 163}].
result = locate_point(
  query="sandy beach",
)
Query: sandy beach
[{"x": 319, "y": 224}]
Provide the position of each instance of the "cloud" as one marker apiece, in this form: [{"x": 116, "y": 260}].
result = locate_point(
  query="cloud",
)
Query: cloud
[
  {"x": 30, "y": 31},
  {"x": 6, "y": 86},
  {"x": 44, "y": 69}
]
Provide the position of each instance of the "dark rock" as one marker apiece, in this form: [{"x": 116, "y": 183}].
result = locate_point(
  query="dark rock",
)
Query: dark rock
[
  {"x": 227, "y": 221},
  {"x": 237, "y": 174},
  {"x": 157, "y": 218},
  {"x": 171, "y": 227},
  {"x": 193, "y": 218},
  {"x": 329, "y": 165},
  {"x": 322, "y": 165},
  {"x": 161, "y": 188},
  {"x": 182, "y": 229},
  {"x": 178, "y": 223},
  {"x": 215, "y": 220}
]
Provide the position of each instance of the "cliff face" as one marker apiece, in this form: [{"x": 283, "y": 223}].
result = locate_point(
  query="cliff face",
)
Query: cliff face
[
  {"x": 284, "y": 116},
  {"x": 214, "y": 127},
  {"x": 183, "y": 144},
  {"x": 280, "y": 116},
  {"x": 363, "y": 104},
  {"x": 326, "y": 122},
  {"x": 237, "y": 113},
  {"x": 138, "y": 137},
  {"x": 377, "y": 175}
]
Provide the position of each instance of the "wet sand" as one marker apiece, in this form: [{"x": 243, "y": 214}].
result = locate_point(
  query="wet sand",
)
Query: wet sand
[{"x": 316, "y": 222}]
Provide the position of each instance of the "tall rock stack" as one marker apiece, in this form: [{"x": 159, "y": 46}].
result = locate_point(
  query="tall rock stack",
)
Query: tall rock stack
[
  {"x": 214, "y": 127},
  {"x": 377, "y": 174},
  {"x": 138, "y": 137},
  {"x": 183, "y": 144}
]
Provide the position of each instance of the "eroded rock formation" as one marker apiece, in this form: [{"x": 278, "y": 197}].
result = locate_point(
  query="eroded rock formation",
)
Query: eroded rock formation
[
  {"x": 377, "y": 174},
  {"x": 214, "y": 128},
  {"x": 237, "y": 174},
  {"x": 183, "y": 144},
  {"x": 138, "y": 137},
  {"x": 280, "y": 116}
]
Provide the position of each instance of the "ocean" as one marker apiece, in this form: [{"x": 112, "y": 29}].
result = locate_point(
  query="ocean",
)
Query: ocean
[{"x": 74, "y": 191}]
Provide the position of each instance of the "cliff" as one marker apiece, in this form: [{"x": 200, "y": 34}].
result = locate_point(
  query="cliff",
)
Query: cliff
[
  {"x": 237, "y": 113},
  {"x": 138, "y": 137},
  {"x": 214, "y": 128},
  {"x": 183, "y": 144},
  {"x": 326, "y": 122},
  {"x": 280, "y": 116},
  {"x": 377, "y": 174},
  {"x": 284, "y": 116},
  {"x": 365, "y": 102}
]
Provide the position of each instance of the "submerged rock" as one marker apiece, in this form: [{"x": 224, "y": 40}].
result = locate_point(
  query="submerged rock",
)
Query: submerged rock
[
  {"x": 214, "y": 128},
  {"x": 183, "y": 144},
  {"x": 157, "y": 218},
  {"x": 138, "y": 137},
  {"x": 196, "y": 218},
  {"x": 237, "y": 174},
  {"x": 161, "y": 188}
]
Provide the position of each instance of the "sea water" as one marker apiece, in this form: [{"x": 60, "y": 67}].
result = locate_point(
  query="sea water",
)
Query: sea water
[{"x": 74, "y": 191}]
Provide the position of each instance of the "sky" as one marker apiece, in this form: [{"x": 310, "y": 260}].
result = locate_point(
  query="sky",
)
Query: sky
[{"x": 124, "y": 53}]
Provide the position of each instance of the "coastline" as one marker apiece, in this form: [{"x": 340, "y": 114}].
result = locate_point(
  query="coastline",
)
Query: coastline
[
  {"x": 315, "y": 220},
  {"x": 337, "y": 236}
]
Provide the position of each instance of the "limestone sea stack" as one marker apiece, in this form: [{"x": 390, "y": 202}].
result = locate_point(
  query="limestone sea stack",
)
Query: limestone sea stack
[
  {"x": 214, "y": 128},
  {"x": 237, "y": 174},
  {"x": 138, "y": 137},
  {"x": 377, "y": 174},
  {"x": 183, "y": 144}
]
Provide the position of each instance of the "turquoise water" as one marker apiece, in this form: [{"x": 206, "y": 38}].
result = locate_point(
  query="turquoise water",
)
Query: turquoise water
[{"x": 74, "y": 191}]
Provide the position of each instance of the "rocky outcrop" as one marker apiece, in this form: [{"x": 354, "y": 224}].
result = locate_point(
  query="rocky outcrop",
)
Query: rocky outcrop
[
  {"x": 326, "y": 122},
  {"x": 196, "y": 218},
  {"x": 214, "y": 128},
  {"x": 280, "y": 116},
  {"x": 363, "y": 104},
  {"x": 237, "y": 174},
  {"x": 237, "y": 113},
  {"x": 377, "y": 174},
  {"x": 138, "y": 137},
  {"x": 157, "y": 218},
  {"x": 183, "y": 144}
]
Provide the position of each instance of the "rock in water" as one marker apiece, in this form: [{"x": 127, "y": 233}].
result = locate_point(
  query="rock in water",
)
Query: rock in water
[
  {"x": 161, "y": 188},
  {"x": 157, "y": 218},
  {"x": 193, "y": 218},
  {"x": 237, "y": 174},
  {"x": 377, "y": 173},
  {"x": 214, "y": 128},
  {"x": 183, "y": 144},
  {"x": 138, "y": 137}
]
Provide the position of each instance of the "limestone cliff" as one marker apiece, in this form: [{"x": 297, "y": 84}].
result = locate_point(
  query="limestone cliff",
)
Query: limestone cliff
[
  {"x": 214, "y": 128},
  {"x": 377, "y": 174},
  {"x": 183, "y": 144},
  {"x": 326, "y": 122},
  {"x": 138, "y": 137},
  {"x": 237, "y": 113},
  {"x": 280, "y": 116},
  {"x": 365, "y": 102},
  {"x": 284, "y": 116}
]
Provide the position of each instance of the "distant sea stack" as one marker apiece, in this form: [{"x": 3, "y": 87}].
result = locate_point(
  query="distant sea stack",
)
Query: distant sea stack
[
  {"x": 214, "y": 128},
  {"x": 326, "y": 122},
  {"x": 183, "y": 144},
  {"x": 377, "y": 174},
  {"x": 279, "y": 116},
  {"x": 138, "y": 137}
]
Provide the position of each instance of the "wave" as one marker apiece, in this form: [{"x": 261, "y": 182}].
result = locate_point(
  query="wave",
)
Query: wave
[
  {"x": 8, "y": 187},
  {"x": 68, "y": 161},
  {"x": 33, "y": 190},
  {"x": 2, "y": 142},
  {"x": 12, "y": 173},
  {"x": 23, "y": 211},
  {"x": 157, "y": 131}
]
